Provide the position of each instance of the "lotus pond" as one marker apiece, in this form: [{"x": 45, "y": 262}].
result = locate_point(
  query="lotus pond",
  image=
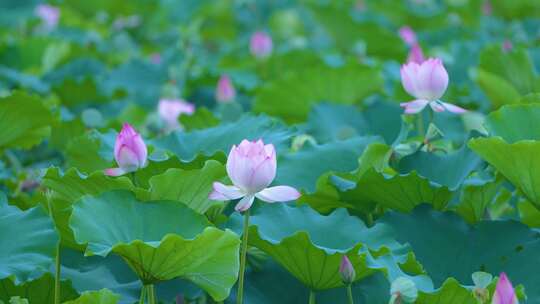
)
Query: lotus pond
[{"x": 269, "y": 152}]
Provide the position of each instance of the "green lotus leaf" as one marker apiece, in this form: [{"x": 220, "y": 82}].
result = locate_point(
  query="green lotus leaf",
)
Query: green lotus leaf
[
  {"x": 159, "y": 240},
  {"x": 475, "y": 199},
  {"x": 300, "y": 241},
  {"x": 25, "y": 122},
  {"x": 103, "y": 296},
  {"x": 292, "y": 96},
  {"x": 188, "y": 186},
  {"x": 187, "y": 145},
  {"x": 302, "y": 169},
  {"x": 450, "y": 292},
  {"x": 489, "y": 246},
  {"x": 515, "y": 122},
  {"x": 40, "y": 290},
  {"x": 68, "y": 188},
  {"x": 201, "y": 119},
  {"x": 28, "y": 242},
  {"x": 518, "y": 162}
]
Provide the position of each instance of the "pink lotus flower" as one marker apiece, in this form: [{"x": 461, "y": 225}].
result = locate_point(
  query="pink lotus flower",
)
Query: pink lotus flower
[
  {"x": 427, "y": 82},
  {"x": 170, "y": 109},
  {"x": 260, "y": 45},
  {"x": 225, "y": 91},
  {"x": 504, "y": 293},
  {"x": 487, "y": 8},
  {"x": 129, "y": 152},
  {"x": 346, "y": 270},
  {"x": 408, "y": 35},
  {"x": 48, "y": 14},
  {"x": 252, "y": 167}
]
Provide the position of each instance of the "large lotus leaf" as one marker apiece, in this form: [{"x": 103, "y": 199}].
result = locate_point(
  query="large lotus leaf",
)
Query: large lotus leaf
[
  {"x": 160, "y": 240},
  {"x": 302, "y": 169},
  {"x": 27, "y": 242},
  {"x": 69, "y": 187},
  {"x": 514, "y": 123},
  {"x": 401, "y": 192},
  {"x": 273, "y": 284},
  {"x": 518, "y": 162},
  {"x": 448, "y": 247},
  {"x": 450, "y": 292},
  {"x": 475, "y": 198},
  {"x": 300, "y": 241},
  {"x": 330, "y": 122},
  {"x": 186, "y": 145},
  {"x": 24, "y": 121},
  {"x": 40, "y": 290},
  {"x": 292, "y": 96},
  {"x": 188, "y": 186},
  {"x": 448, "y": 170},
  {"x": 92, "y": 151},
  {"x": 103, "y": 296}
]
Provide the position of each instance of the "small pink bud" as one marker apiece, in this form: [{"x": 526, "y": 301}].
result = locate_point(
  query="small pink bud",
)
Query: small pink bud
[
  {"x": 346, "y": 270},
  {"x": 130, "y": 152},
  {"x": 507, "y": 46},
  {"x": 225, "y": 91},
  {"x": 260, "y": 45},
  {"x": 487, "y": 8},
  {"x": 170, "y": 109},
  {"x": 407, "y": 35},
  {"x": 416, "y": 54},
  {"x": 504, "y": 292},
  {"x": 48, "y": 14}
]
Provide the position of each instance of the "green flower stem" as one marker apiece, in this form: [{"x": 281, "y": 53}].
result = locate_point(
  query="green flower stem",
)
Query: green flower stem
[
  {"x": 420, "y": 124},
  {"x": 349, "y": 294},
  {"x": 57, "y": 276},
  {"x": 243, "y": 255},
  {"x": 143, "y": 295},
  {"x": 151, "y": 294},
  {"x": 311, "y": 297}
]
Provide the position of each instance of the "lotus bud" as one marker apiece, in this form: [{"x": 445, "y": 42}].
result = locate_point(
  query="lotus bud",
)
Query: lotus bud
[
  {"x": 225, "y": 91},
  {"x": 504, "y": 292},
  {"x": 130, "y": 152},
  {"x": 408, "y": 35},
  {"x": 48, "y": 14},
  {"x": 260, "y": 45},
  {"x": 346, "y": 270}
]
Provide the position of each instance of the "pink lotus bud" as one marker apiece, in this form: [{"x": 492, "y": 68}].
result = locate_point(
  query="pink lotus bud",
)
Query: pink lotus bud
[
  {"x": 416, "y": 54},
  {"x": 129, "y": 152},
  {"x": 407, "y": 35},
  {"x": 252, "y": 167},
  {"x": 504, "y": 293},
  {"x": 487, "y": 8},
  {"x": 170, "y": 109},
  {"x": 260, "y": 45},
  {"x": 427, "y": 82},
  {"x": 225, "y": 91},
  {"x": 48, "y": 14},
  {"x": 507, "y": 46},
  {"x": 346, "y": 270},
  {"x": 155, "y": 58}
]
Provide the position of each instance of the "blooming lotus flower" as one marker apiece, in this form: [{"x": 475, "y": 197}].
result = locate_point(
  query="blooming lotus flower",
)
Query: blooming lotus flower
[
  {"x": 427, "y": 82},
  {"x": 260, "y": 45},
  {"x": 170, "y": 109},
  {"x": 225, "y": 91},
  {"x": 252, "y": 167},
  {"x": 48, "y": 14},
  {"x": 407, "y": 35},
  {"x": 346, "y": 270},
  {"x": 504, "y": 293},
  {"x": 129, "y": 152}
]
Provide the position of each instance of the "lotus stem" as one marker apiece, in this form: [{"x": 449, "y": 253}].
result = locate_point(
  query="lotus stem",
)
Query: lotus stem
[
  {"x": 312, "y": 299},
  {"x": 243, "y": 255},
  {"x": 420, "y": 125},
  {"x": 349, "y": 294},
  {"x": 57, "y": 276},
  {"x": 143, "y": 295},
  {"x": 151, "y": 294}
]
